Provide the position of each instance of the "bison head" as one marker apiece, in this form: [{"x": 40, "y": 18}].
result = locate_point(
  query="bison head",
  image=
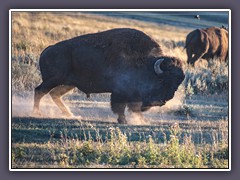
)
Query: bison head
[{"x": 168, "y": 75}]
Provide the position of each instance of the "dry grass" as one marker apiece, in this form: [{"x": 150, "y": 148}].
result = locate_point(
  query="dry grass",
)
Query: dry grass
[{"x": 49, "y": 28}]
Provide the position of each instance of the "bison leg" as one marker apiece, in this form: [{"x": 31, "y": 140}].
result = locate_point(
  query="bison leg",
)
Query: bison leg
[
  {"x": 118, "y": 107},
  {"x": 135, "y": 108},
  {"x": 223, "y": 56},
  {"x": 56, "y": 94},
  {"x": 37, "y": 97},
  {"x": 40, "y": 91}
]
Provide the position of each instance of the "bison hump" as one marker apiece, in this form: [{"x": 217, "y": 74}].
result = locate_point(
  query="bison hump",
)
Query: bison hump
[{"x": 124, "y": 44}]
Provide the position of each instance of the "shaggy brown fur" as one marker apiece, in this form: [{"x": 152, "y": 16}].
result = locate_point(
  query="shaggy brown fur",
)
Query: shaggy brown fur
[
  {"x": 207, "y": 44},
  {"x": 124, "y": 44}
]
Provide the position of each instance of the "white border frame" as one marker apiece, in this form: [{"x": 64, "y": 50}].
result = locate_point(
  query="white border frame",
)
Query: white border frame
[{"x": 115, "y": 10}]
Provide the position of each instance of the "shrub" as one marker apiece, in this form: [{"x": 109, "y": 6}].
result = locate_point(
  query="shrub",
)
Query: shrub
[
  {"x": 207, "y": 80},
  {"x": 25, "y": 73}
]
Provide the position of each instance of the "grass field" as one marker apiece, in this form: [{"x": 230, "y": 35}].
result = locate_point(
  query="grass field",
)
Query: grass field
[{"x": 190, "y": 131}]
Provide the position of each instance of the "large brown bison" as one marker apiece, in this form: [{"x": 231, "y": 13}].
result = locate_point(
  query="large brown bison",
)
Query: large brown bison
[
  {"x": 124, "y": 62},
  {"x": 207, "y": 44}
]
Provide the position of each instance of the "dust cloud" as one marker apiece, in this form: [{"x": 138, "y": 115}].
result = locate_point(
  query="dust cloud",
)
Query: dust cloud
[
  {"x": 92, "y": 110},
  {"x": 22, "y": 106},
  {"x": 137, "y": 119}
]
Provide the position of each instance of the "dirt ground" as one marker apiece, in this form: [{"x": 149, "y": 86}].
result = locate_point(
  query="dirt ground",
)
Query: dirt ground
[{"x": 98, "y": 108}]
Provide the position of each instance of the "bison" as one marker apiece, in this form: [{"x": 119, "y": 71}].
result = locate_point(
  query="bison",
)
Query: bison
[
  {"x": 124, "y": 62},
  {"x": 207, "y": 44}
]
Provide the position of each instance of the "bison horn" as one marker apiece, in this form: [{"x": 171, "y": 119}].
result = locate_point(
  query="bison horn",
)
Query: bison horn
[{"x": 157, "y": 67}]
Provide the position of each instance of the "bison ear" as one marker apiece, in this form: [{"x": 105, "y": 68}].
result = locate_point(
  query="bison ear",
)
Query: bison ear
[{"x": 157, "y": 67}]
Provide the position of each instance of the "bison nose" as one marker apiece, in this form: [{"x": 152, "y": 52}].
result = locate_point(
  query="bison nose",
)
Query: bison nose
[
  {"x": 160, "y": 103},
  {"x": 157, "y": 103}
]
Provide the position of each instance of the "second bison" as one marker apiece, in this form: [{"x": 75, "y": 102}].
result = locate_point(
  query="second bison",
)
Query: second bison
[
  {"x": 207, "y": 44},
  {"x": 124, "y": 62}
]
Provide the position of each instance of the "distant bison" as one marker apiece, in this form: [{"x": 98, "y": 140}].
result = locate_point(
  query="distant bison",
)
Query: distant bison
[
  {"x": 124, "y": 62},
  {"x": 207, "y": 44}
]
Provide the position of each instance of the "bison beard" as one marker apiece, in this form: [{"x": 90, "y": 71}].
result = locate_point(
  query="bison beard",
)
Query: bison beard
[
  {"x": 207, "y": 44},
  {"x": 124, "y": 62}
]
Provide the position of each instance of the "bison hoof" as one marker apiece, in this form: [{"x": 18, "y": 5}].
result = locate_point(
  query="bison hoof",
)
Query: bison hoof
[{"x": 122, "y": 120}]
